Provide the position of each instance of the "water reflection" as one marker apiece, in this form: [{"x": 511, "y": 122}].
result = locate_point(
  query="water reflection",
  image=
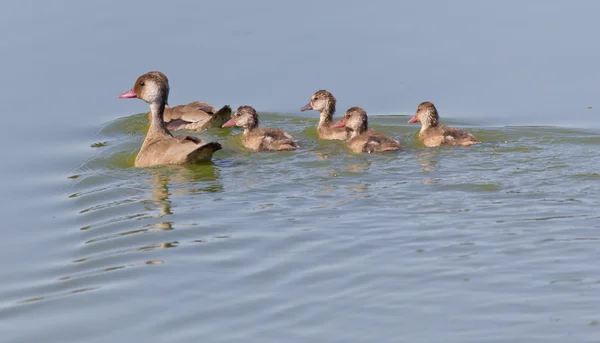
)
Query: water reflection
[
  {"x": 428, "y": 159},
  {"x": 196, "y": 179},
  {"x": 183, "y": 180},
  {"x": 113, "y": 236},
  {"x": 53, "y": 296},
  {"x": 359, "y": 167},
  {"x": 160, "y": 197}
]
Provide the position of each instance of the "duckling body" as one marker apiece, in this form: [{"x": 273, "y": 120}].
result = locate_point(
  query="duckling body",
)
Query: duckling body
[
  {"x": 370, "y": 143},
  {"x": 325, "y": 131},
  {"x": 443, "y": 135},
  {"x": 268, "y": 139},
  {"x": 195, "y": 116},
  {"x": 361, "y": 139},
  {"x": 433, "y": 134},
  {"x": 160, "y": 147},
  {"x": 259, "y": 139}
]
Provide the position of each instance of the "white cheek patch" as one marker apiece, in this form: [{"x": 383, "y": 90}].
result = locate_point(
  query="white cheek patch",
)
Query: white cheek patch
[{"x": 151, "y": 91}]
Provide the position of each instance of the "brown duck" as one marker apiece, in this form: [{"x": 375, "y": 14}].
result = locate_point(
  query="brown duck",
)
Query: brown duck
[
  {"x": 160, "y": 147},
  {"x": 433, "y": 134},
  {"x": 195, "y": 116},
  {"x": 257, "y": 139},
  {"x": 324, "y": 102},
  {"x": 360, "y": 138}
]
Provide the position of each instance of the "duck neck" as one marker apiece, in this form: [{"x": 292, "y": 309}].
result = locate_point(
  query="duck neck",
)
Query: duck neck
[
  {"x": 248, "y": 128},
  {"x": 250, "y": 125},
  {"x": 352, "y": 134},
  {"x": 158, "y": 128},
  {"x": 429, "y": 121},
  {"x": 357, "y": 131},
  {"x": 326, "y": 116}
]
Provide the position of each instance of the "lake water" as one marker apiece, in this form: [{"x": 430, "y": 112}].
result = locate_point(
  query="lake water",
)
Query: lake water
[{"x": 494, "y": 243}]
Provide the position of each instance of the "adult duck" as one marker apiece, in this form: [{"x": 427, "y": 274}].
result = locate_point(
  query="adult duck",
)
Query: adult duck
[
  {"x": 256, "y": 138},
  {"x": 433, "y": 134},
  {"x": 160, "y": 147}
]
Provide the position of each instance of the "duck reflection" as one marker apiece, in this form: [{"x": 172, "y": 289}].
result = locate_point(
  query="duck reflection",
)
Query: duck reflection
[
  {"x": 428, "y": 160},
  {"x": 158, "y": 210},
  {"x": 182, "y": 180}
]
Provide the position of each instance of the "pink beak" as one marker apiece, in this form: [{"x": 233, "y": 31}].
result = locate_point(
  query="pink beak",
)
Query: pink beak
[
  {"x": 230, "y": 123},
  {"x": 338, "y": 124},
  {"x": 128, "y": 95},
  {"x": 413, "y": 120},
  {"x": 307, "y": 107}
]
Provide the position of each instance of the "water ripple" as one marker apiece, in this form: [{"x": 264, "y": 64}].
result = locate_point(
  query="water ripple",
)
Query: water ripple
[{"x": 499, "y": 235}]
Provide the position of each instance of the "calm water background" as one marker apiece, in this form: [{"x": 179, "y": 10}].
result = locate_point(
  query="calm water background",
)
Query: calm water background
[{"x": 497, "y": 243}]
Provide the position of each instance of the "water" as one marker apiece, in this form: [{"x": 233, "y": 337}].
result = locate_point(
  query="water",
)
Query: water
[{"x": 493, "y": 243}]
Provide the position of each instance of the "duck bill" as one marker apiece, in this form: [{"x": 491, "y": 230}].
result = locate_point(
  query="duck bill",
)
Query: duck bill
[
  {"x": 338, "y": 124},
  {"x": 230, "y": 123},
  {"x": 128, "y": 95},
  {"x": 307, "y": 107},
  {"x": 413, "y": 120}
]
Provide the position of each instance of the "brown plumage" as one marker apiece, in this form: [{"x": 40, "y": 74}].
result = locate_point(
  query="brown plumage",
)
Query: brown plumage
[
  {"x": 324, "y": 102},
  {"x": 432, "y": 134},
  {"x": 360, "y": 137},
  {"x": 160, "y": 147},
  {"x": 195, "y": 116},
  {"x": 257, "y": 139}
]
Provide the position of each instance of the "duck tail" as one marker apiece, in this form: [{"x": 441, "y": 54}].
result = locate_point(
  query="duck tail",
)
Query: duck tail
[
  {"x": 221, "y": 117},
  {"x": 204, "y": 153}
]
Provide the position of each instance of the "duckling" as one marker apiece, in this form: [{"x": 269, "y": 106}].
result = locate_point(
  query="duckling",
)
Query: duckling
[
  {"x": 257, "y": 139},
  {"x": 324, "y": 102},
  {"x": 433, "y": 134},
  {"x": 160, "y": 147},
  {"x": 360, "y": 138}
]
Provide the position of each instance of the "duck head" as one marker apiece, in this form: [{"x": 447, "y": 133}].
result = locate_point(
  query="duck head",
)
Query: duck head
[
  {"x": 321, "y": 101},
  {"x": 152, "y": 87},
  {"x": 244, "y": 117},
  {"x": 426, "y": 114},
  {"x": 355, "y": 120}
]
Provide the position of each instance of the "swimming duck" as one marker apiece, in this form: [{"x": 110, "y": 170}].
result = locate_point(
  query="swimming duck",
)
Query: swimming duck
[
  {"x": 160, "y": 147},
  {"x": 360, "y": 138},
  {"x": 195, "y": 116},
  {"x": 324, "y": 102},
  {"x": 258, "y": 139},
  {"x": 433, "y": 134}
]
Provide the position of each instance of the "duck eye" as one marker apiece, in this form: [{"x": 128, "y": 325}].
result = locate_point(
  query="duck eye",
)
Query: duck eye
[{"x": 142, "y": 83}]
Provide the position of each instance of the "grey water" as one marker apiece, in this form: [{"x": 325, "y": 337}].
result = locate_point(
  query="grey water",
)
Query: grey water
[{"x": 493, "y": 243}]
